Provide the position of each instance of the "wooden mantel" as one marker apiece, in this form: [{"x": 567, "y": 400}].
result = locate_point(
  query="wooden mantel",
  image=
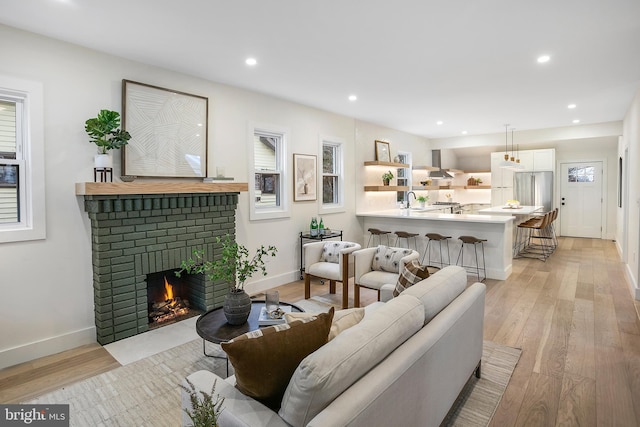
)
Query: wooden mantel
[{"x": 157, "y": 187}]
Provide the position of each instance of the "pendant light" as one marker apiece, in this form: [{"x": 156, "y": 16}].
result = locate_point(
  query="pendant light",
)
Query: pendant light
[
  {"x": 516, "y": 165},
  {"x": 506, "y": 163}
]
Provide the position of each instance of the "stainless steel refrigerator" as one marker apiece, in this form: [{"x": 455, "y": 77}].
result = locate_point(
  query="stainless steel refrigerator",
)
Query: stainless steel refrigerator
[{"x": 534, "y": 189}]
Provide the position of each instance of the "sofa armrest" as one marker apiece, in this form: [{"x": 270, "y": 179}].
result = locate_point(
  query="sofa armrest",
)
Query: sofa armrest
[
  {"x": 238, "y": 410},
  {"x": 363, "y": 259}
]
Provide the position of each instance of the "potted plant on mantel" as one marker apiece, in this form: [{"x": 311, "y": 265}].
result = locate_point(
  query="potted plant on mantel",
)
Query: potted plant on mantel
[
  {"x": 105, "y": 133},
  {"x": 235, "y": 266}
]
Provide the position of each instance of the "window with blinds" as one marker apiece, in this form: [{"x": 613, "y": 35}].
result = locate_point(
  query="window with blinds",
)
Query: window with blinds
[{"x": 11, "y": 162}]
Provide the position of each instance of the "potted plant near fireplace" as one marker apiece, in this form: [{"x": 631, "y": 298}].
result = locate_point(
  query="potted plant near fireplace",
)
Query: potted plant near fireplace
[
  {"x": 105, "y": 133},
  {"x": 235, "y": 267}
]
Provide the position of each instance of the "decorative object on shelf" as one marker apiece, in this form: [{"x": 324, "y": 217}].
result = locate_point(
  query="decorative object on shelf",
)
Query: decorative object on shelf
[
  {"x": 426, "y": 183},
  {"x": 127, "y": 178},
  {"x": 169, "y": 131},
  {"x": 448, "y": 197},
  {"x": 205, "y": 409},
  {"x": 396, "y": 159},
  {"x": 234, "y": 267},
  {"x": 383, "y": 154},
  {"x": 304, "y": 185},
  {"x": 472, "y": 181},
  {"x": 386, "y": 177},
  {"x": 105, "y": 132},
  {"x": 422, "y": 200}
]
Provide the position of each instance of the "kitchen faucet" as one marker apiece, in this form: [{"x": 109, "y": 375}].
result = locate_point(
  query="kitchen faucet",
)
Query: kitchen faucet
[{"x": 409, "y": 198}]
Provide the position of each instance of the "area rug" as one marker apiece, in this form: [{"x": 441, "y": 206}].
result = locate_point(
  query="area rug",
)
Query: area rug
[{"x": 147, "y": 393}]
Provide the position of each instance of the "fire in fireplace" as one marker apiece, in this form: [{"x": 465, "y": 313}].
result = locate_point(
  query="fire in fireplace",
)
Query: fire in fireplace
[{"x": 169, "y": 299}]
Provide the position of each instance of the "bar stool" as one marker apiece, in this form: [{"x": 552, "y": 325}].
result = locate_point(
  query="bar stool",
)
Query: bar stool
[
  {"x": 470, "y": 240},
  {"x": 376, "y": 232},
  {"x": 435, "y": 237},
  {"x": 405, "y": 235}
]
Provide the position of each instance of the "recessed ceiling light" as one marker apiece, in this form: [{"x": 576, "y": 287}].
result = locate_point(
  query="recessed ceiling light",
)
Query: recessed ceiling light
[
  {"x": 464, "y": 132},
  {"x": 571, "y": 106},
  {"x": 544, "y": 58},
  {"x": 251, "y": 61},
  {"x": 439, "y": 122},
  {"x": 576, "y": 121},
  {"x": 353, "y": 98}
]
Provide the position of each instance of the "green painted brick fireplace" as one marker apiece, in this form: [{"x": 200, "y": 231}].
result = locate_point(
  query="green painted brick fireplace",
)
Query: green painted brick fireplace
[{"x": 134, "y": 235}]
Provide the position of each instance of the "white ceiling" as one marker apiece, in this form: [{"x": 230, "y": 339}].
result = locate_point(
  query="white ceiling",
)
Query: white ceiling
[{"x": 471, "y": 64}]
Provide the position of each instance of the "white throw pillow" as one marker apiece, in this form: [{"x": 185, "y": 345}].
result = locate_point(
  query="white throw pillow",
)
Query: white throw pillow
[
  {"x": 331, "y": 251},
  {"x": 342, "y": 319},
  {"x": 388, "y": 259}
]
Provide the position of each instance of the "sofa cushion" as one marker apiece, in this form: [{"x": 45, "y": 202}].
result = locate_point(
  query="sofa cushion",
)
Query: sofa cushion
[
  {"x": 331, "y": 251},
  {"x": 388, "y": 259},
  {"x": 439, "y": 290},
  {"x": 342, "y": 319},
  {"x": 334, "y": 367},
  {"x": 411, "y": 274},
  {"x": 265, "y": 359}
]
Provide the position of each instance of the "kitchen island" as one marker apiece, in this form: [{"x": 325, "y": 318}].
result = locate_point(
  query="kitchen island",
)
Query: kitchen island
[{"x": 497, "y": 229}]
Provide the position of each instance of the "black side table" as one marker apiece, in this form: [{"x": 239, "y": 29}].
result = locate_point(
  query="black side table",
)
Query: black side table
[
  {"x": 307, "y": 236},
  {"x": 213, "y": 327}
]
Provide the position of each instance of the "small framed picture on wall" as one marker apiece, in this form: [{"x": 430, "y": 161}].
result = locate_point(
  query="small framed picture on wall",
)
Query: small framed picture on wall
[{"x": 383, "y": 154}]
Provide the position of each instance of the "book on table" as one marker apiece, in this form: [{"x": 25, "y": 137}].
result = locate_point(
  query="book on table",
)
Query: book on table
[{"x": 265, "y": 320}]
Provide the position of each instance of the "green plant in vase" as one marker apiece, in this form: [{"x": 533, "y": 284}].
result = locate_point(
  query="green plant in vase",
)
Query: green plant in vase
[
  {"x": 104, "y": 131},
  {"x": 386, "y": 177},
  {"x": 235, "y": 266},
  {"x": 422, "y": 200}
]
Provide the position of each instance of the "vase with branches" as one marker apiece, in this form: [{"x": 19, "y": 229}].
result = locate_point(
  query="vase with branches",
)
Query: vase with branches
[{"x": 235, "y": 266}]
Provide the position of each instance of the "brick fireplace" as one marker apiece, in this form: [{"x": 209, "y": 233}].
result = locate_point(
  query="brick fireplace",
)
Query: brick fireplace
[{"x": 143, "y": 228}]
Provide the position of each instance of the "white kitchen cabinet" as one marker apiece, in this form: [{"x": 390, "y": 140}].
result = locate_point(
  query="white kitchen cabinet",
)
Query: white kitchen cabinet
[
  {"x": 500, "y": 177},
  {"x": 526, "y": 160},
  {"x": 544, "y": 160},
  {"x": 499, "y": 196}
]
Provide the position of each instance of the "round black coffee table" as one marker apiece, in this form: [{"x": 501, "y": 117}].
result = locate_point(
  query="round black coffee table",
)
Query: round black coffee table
[{"x": 213, "y": 327}]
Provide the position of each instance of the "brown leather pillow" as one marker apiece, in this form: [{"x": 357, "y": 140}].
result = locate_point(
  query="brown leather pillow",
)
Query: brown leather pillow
[
  {"x": 265, "y": 359},
  {"x": 412, "y": 273}
]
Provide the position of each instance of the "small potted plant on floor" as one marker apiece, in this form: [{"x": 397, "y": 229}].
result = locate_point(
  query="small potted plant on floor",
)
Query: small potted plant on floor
[
  {"x": 234, "y": 267},
  {"x": 386, "y": 177},
  {"x": 105, "y": 132}
]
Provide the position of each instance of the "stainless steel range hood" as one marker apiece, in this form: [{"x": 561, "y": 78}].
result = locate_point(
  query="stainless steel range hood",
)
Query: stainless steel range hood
[{"x": 436, "y": 162}]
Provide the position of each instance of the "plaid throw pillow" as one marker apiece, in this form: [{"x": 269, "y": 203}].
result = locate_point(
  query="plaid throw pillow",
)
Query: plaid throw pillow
[{"x": 412, "y": 273}]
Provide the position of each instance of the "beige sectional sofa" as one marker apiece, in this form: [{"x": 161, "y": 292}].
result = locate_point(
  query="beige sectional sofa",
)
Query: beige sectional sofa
[{"x": 403, "y": 364}]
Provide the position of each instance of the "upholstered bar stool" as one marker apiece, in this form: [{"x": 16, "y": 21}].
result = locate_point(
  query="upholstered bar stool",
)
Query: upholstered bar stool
[
  {"x": 379, "y": 233},
  {"x": 406, "y": 236},
  {"x": 470, "y": 240},
  {"x": 436, "y": 238}
]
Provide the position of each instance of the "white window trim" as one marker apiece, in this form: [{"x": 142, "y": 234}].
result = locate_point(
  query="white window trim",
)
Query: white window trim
[
  {"x": 282, "y": 211},
  {"x": 339, "y": 207},
  {"x": 33, "y": 223}
]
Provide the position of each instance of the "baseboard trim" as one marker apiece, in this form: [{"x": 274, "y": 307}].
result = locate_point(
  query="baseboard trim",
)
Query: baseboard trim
[
  {"x": 633, "y": 285},
  {"x": 24, "y": 353}
]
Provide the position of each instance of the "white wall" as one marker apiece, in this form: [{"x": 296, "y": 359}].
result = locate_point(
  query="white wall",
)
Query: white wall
[
  {"x": 631, "y": 141},
  {"x": 47, "y": 284}
]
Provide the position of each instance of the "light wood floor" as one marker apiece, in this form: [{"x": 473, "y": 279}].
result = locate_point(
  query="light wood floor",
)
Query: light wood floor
[{"x": 573, "y": 317}]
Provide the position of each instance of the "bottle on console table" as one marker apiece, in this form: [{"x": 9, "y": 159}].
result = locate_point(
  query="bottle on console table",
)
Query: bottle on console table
[
  {"x": 314, "y": 227},
  {"x": 321, "y": 228}
]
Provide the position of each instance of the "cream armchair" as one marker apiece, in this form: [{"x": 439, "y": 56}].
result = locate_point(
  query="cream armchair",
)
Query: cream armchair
[
  {"x": 375, "y": 267},
  {"x": 328, "y": 260}
]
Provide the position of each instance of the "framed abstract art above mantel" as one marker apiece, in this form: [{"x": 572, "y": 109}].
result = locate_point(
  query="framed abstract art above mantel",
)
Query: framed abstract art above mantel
[{"x": 168, "y": 132}]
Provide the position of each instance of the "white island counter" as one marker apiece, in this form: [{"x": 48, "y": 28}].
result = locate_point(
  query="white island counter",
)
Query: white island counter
[{"x": 497, "y": 229}]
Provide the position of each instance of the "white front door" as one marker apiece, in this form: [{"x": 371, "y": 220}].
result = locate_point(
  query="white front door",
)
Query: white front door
[{"x": 581, "y": 199}]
